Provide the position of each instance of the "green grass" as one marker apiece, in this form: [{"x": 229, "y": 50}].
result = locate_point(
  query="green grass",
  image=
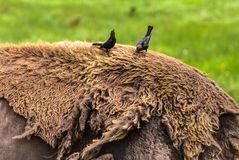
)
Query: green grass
[{"x": 201, "y": 33}]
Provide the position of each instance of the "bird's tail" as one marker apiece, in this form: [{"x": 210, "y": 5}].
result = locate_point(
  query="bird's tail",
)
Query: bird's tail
[
  {"x": 96, "y": 44},
  {"x": 150, "y": 28}
]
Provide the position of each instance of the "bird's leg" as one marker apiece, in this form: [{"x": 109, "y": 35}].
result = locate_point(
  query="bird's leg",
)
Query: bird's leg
[
  {"x": 30, "y": 128},
  {"x": 116, "y": 131}
]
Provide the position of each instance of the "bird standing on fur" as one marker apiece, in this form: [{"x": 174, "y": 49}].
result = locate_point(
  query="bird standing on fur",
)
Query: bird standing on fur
[
  {"x": 109, "y": 43},
  {"x": 143, "y": 44}
]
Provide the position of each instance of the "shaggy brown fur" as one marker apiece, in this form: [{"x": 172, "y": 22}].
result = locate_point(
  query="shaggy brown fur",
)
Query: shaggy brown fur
[
  {"x": 136, "y": 146},
  {"x": 150, "y": 142},
  {"x": 59, "y": 87}
]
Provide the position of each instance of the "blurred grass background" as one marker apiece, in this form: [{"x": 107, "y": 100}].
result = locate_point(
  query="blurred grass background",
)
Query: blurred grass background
[{"x": 201, "y": 33}]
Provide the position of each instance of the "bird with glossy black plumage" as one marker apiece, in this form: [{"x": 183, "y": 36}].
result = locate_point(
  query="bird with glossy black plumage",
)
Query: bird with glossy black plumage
[
  {"x": 109, "y": 43},
  {"x": 143, "y": 44}
]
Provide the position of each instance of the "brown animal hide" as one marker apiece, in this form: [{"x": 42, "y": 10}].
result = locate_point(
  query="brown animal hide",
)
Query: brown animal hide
[
  {"x": 150, "y": 142},
  {"x": 62, "y": 88}
]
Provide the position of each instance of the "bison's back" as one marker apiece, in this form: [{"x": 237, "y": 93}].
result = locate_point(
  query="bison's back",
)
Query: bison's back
[{"x": 36, "y": 81}]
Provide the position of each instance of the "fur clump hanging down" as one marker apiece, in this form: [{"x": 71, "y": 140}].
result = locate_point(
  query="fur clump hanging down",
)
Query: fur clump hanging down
[{"x": 62, "y": 87}]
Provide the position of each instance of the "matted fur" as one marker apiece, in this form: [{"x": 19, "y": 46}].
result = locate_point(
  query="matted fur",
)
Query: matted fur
[{"x": 50, "y": 85}]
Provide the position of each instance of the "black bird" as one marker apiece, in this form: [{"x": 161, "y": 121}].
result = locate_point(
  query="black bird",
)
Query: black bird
[
  {"x": 109, "y": 43},
  {"x": 143, "y": 44}
]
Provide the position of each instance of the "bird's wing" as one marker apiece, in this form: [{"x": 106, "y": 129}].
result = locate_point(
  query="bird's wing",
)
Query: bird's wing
[
  {"x": 140, "y": 42},
  {"x": 106, "y": 43},
  {"x": 146, "y": 40}
]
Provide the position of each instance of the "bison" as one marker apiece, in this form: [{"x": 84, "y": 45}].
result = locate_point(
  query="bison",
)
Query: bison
[{"x": 63, "y": 88}]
